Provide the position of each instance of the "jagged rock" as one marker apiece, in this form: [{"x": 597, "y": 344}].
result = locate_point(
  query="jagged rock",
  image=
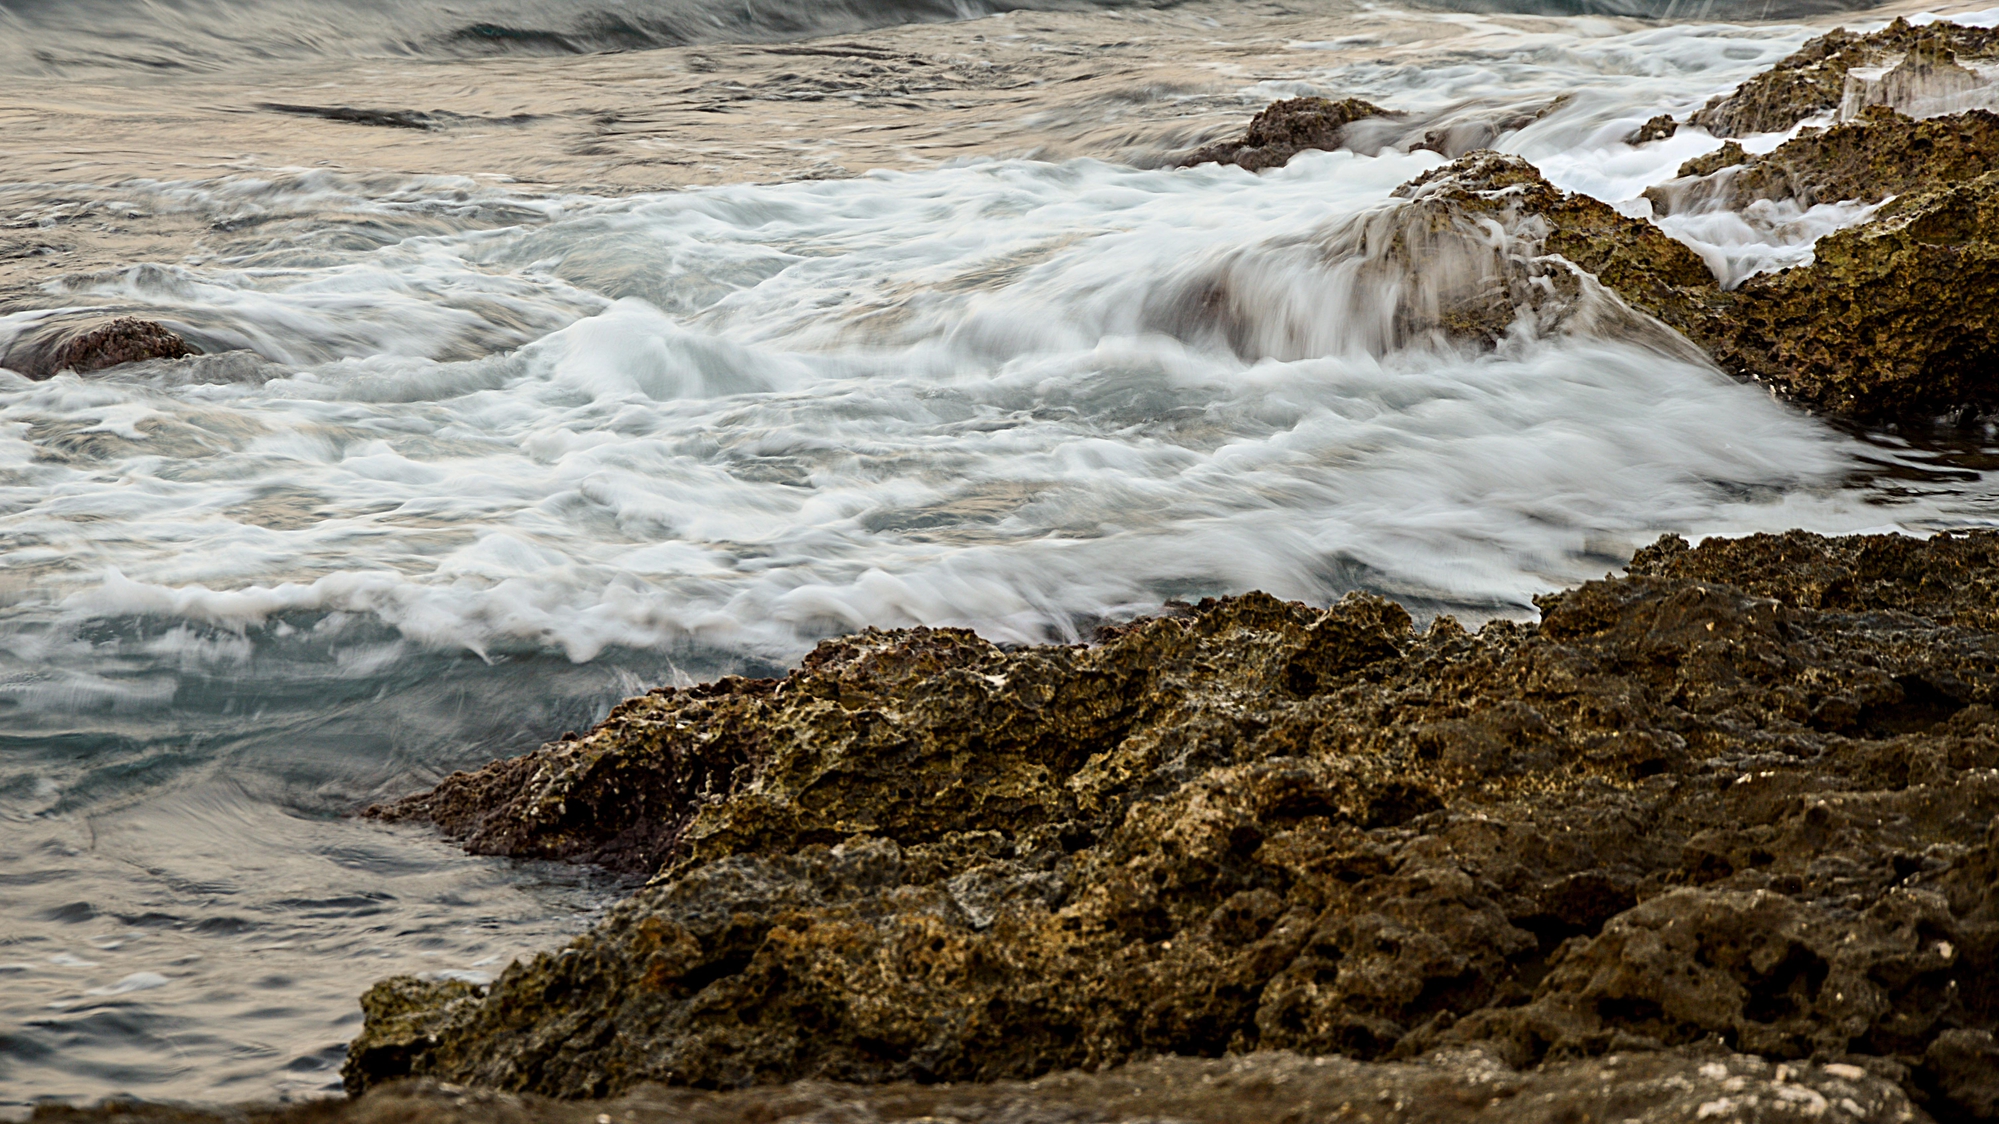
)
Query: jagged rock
[
  {"x": 1462, "y": 200},
  {"x": 1879, "y": 154},
  {"x": 1476, "y": 251},
  {"x": 1893, "y": 318},
  {"x": 1928, "y": 81},
  {"x": 95, "y": 347},
  {"x": 403, "y": 1016},
  {"x": 1896, "y": 317},
  {"x": 1737, "y": 800},
  {"x": 1283, "y": 129},
  {"x": 127, "y": 339},
  {"x": 1754, "y": 969},
  {"x": 1658, "y": 128},
  {"x": 1962, "y": 1067},
  {"x": 1729, "y": 155},
  {"x": 1447, "y": 1087},
  {"x": 1814, "y": 81}
]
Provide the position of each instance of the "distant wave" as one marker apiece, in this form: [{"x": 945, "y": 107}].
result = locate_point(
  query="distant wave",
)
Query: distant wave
[
  {"x": 59, "y": 36},
  {"x": 53, "y": 36},
  {"x": 1728, "y": 10}
]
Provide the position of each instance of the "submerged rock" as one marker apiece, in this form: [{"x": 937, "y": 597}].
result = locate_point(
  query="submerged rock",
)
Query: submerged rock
[
  {"x": 1738, "y": 800},
  {"x": 1657, "y": 128},
  {"x": 1283, "y": 129},
  {"x": 1554, "y": 233},
  {"x": 1817, "y": 80},
  {"x": 94, "y": 347}
]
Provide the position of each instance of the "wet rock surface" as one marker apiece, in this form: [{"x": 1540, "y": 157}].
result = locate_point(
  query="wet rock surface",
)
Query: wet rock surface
[
  {"x": 1657, "y": 128},
  {"x": 1283, "y": 129},
  {"x": 1879, "y": 154},
  {"x": 91, "y": 347},
  {"x": 1817, "y": 79},
  {"x": 1555, "y": 238},
  {"x": 1738, "y": 801},
  {"x": 1896, "y": 317},
  {"x": 1446, "y": 1087}
]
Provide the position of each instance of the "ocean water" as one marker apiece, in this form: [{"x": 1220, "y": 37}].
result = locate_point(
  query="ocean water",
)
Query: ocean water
[
  {"x": 63, "y": 36},
  {"x": 471, "y": 457}
]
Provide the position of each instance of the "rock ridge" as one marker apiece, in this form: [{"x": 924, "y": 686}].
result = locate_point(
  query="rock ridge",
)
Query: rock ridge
[{"x": 1739, "y": 800}]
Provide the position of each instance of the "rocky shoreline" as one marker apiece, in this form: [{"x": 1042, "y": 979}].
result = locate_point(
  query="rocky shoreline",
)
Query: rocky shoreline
[
  {"x": 1735, "y": 802},
  {"x": 1897, "y": 316},
  {"x": 1714, "y": 839}
]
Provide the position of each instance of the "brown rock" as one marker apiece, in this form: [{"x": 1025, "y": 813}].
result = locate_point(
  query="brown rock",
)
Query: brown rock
[
  {"x": 1658, "y": 128},
  {"x": 1449, "y": 1087},
  {"x": 1879, "y": 154},
  {"x": 1895, "y": 317},
  {"x": 96, "y": 347},
  {"x": 1962, "y": 1066},
  {"x": 1283, "y": 129},
  {"x": 1733, "y": 801},
  {"x": 1814, "y": 80}
]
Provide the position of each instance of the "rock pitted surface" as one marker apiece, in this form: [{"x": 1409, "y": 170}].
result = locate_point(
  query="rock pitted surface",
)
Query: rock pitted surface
[
  {"x": 95, "y": 347},
  {"x": 1283, "y": 129},
  {"x": 1815, "y": 80},
  {"x": 1879, "y": 154},
  {"x": 1895, "y": 317},
  {"x": 1656, "y": 128},
  {"x": 1449, "y": 217},
  {"x": 1898, "y": 316},
  {"x": 1739, "y": 800},
  {"x": 127, "y": 339}
]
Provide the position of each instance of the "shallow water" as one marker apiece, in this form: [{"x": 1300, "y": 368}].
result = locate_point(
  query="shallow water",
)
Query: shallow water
[{"x": 488, "y": 437}]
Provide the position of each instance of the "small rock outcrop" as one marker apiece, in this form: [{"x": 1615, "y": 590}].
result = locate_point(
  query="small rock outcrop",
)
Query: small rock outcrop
[
  {"x": 95, "y": 347},
  {"x": 1283, "y": 129},
  {"x": 127, "y": 339},
  {"x": 1738, "y": 801},
  {"x": 1816, "y": 80},
  {"x": 1896, "y": 317},
  {"x": 1655, "y": 129}
]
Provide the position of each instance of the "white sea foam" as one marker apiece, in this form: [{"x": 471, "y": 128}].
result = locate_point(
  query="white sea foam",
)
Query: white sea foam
[
  {"x": 137, "y": 981},
  {"x": 971, "y": 396}
]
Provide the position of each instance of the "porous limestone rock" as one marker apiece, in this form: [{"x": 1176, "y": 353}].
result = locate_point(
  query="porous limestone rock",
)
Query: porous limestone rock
[
  {"x": 127, "y": 339},
  {"x": 1895, "y": 317},
  {"x": 1283, "y": 129},
  {"x": 1879, "y": 154},
  {"x": 1898, "y": 316},
  {"x": 1738, "y": 800},
  {"x": 1815, "y": 80},
  {"x": 1656, "y": 128},
  {"x": 1464, "y": 201}
]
